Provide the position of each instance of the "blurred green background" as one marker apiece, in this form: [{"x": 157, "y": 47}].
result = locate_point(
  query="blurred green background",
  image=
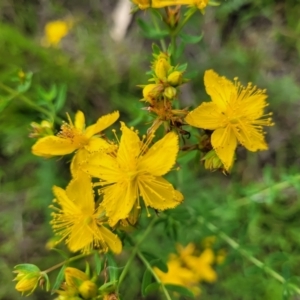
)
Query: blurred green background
[{"x": 257, "y": 205}]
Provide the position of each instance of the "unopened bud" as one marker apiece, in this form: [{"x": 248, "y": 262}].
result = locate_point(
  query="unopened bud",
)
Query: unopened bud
[
  {"x": 28, "y": 277},
  {"x": 151, "y": 92},
  {"x": 88, "y": 289},
  {"x": 175, "y": 78},
  {"x": 162, "y": 67},
  {"x": 170, "y": 92},
  {"x": 212, "y": 161}
]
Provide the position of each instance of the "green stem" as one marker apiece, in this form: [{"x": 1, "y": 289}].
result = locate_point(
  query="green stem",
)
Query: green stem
[
  {"x": 263, "y": 194},
  {"x": 247, "y": 255},
  {"x": 66, "y": 261},
  {"x": 14, "y": 93},
  {"x": 162, "y": 41},
  {"x": 184, "y": 21},
  {"x": 148, "y": 266},
  {"x": 134, "y": 251}
]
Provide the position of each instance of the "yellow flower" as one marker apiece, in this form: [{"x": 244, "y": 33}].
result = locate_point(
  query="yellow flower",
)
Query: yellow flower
[
  {"x": 76, "y": 137},
  {"x": 201, "y": 265},
  {"x": 54, "y": 31},
  {"x": 78, "y": 222},
  {"x": 143, "y": 4},
  {"x": 28, "y": 277},
  {"x": 176, "y": 274},
  {"x": 135, "y": 171},
  {"x": 236, "y": 115},
  {"x": 77, "y": 286}
]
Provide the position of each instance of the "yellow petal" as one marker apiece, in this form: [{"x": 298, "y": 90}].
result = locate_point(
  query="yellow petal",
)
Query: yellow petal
[
  {"x": 111, "y": 239},
  {"x": 80, "y": 191},
  {"x": 80, "y": 157},
  {"x": 161, "y": 157},
  {"x": 102, "y": 124},
  {"x": 81, "y": 238},
  {"x": 97, "y": 144},
  {"x": 224, "y": 142},
  {"x": 221, "y": 90},
  {"x": 251, "y": 138},
  {"x": 129, "y": 148},
  {"x": 158, "y": 192},
  {"x": 52, "y": 145},
  {"x": 72, "y": 275},
  {"x": 118, "y": 201},
  {"x": 79, "y": 121},
  {"x": 206, "y": 116},
  {"x": 102, "y": 166},
  {"x": 63, "y": 200}
]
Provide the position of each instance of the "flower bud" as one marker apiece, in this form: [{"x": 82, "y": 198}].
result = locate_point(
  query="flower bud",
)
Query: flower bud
[
  {"x": 28, "y": 277},
  {"x": 75, "y": 277},
  {"x": 88, "y": 289},
  {"x": 41, "y": 130},
  {"x": 175, "y": 78},
  {"x": 170, "y": 92},
  {"x": 212, "y": 161},
  {"x": 162, "y": 67},
  {"x": 151, "y": 92}
]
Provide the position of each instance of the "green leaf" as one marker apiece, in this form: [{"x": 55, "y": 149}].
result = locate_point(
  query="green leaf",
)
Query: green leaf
[
  {"x": 155, "y": 261},
  {"x": 180, "y": 290},
  {"x": 59, "y": 279},
  {"x": 182, "y": 67},
  {"x": 98, "y": 263},
  {"x": 155, "y": 49},
  {"x": 108, "y": 287},
  {"x": 150, "y": 32},
  {"x": 190, "y": 39},
  {"x": 61, "y": 252},
  {"x": 61, "y": 97},
  {"x": 147, "y": 280},
  {"x": 4, "y": 102},
  {"x": 28, "y": 268},
  {"x": 112, "y": 267},
  {"x": 152, "y": 287}
]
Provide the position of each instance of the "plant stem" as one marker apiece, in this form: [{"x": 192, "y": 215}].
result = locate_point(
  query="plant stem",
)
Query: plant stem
[
  {"x": 247, "y": 255},
  {"x": 14, "y": 93},
  {"x": 184, "y": 21},
  {"x": 67, "y": 261},
  {"x": 134, "y": 251},
  {"x": 162, "y": 41},
  {"x": 148, "y": 266}
]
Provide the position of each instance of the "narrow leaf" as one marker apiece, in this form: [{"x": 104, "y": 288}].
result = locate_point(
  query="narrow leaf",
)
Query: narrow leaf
[
  {"x": 98, "y": 263},
  {"x": 191, "y": 39},
  {"x": 112, "y": 267},
  {"x": 152, "y": 287},
  {"x": 147, "y": 280},
  {"x": 59, "y": 279}
]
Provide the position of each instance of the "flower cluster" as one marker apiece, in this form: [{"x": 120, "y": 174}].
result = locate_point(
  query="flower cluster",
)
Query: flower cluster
[
  {"x": 188, "y": 268},
  {"x": 129, "y": 174}
]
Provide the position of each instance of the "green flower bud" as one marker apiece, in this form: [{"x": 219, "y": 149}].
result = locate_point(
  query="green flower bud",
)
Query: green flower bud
[
  {"x": 212, "y": 161},
  {"x": 28, "y": 277}
]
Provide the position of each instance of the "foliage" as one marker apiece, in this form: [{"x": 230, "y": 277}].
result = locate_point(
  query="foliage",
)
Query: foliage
[{"x": 252, "y": 212}]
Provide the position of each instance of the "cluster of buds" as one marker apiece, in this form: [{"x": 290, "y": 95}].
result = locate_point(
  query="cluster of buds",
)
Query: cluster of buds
[{"x": 164, "y": 88}]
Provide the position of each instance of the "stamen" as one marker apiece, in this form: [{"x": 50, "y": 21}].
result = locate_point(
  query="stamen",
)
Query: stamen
[{"x": 115, "y": 134}]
